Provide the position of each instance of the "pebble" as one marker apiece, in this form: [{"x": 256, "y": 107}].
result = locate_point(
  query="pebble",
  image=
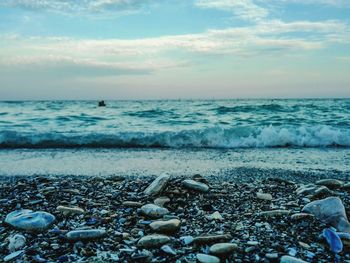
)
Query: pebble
[
  {"x": 153, "y": 241},
  {"x": 215, "y": 216},
  {"x": 30, "y": 221},
  {"x": 187, "y": 239},
  {"x": 13, "y": 255},
  {"x": 158, "y": 185},
  {"x": 16, "y": 242},
  {"x": 331, "y": 183},
  {"x": 273, "y": 213},
  {"x": 166, "y": 226},
  {"x": 271, "y": 255},
  {"x": 252, "y": 243},
  {"x": 85, "y": 234},
  {"x": 203, "y": 258},
  {"x": 154, "y": 211},
  {"x": 161, "y": 201},
  {"x": 167, "y": 249},
  {"x": 70, "y": 210},
  {"x": 196, "y": 186},
  {"x": 301, "y": 216},
  {"x": 331, "y": 211},
  {"x": 264, "y": 196},
  {"x": 222, "y": 248},
  {"x": 207, "y": 239},
  {"x": 132, "y": 204},
  {"x": 289, "y": 259}
]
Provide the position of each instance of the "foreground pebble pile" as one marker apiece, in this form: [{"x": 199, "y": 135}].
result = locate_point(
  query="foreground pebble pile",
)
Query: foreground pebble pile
[{"x": 173, "y": 220}]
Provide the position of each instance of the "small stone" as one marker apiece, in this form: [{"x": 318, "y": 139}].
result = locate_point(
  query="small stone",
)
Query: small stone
[
  {"x": 158, "y": 185},
  {"x": 196, "y": 186},
  {"x": 330, "y": 183},
  {"x": 304, "y": 245},
  {"x": 252, "y": 243},
  {"x": 153, "y": 241},
  {"x": 271, "y": 255},
  {"x": 166, "y": 226},
  {"x": 289, "y": 259},
  {"x": 85, "y": 234},
  {"x": 207, "y": 239},
  {"x": 132, "y": 204},
  {"x": 70, "y": 210},
  {"x": 187, "y": 239},
  {"x": 203, "y": 258},
  {"x": 13, "y": 255},
  {"x": 273, "y": 213},
  {"x": 167, "y": 249},
  {"x": 16, "y": 242},
  {"x": 301, "y": 216},
  {"x": 161, "y": 201},
  {"x": 215, "y": 216},
  {"x": 154, "y": 211},
  {"x": 30, "y": 221},
  {"x": 222, "y": 248},
  {"x": 263, "y": 196}
]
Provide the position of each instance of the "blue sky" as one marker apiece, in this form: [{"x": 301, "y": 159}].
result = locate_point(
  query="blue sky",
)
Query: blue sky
[{"x": 133, "y": 49}]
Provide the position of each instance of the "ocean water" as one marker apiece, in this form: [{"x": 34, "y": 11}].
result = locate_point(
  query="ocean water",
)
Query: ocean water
[{"x": 184, "y": 136}]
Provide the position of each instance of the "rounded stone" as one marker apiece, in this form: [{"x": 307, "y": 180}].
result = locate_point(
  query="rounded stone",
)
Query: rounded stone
[
  {"x": 330, "y": 183},
  {"x": 222, "y": 248},
  {"x": 85, "y": 234},
  {"x": 154, "y": 211},
  {"x": 70, "y": 210},
  {"x": 153, "y": 241},
  {"x": 204, "y": 258},
  {"x": 289, "y": 259},
  {"x": 30, "y": 221},
  {"x": 16, "y": 242},
  {"x": 264, "y": 196},
  {"x": 165, "y": 226},
  {"x": 196, "y": 186}
]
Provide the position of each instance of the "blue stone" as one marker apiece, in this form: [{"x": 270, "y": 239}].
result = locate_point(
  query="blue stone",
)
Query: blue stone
[
  {"x": 333, "y": 240},
  {"x": 30, "y": 221}
]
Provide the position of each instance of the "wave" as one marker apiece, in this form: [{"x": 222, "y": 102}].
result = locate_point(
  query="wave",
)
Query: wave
[{"x": 215, "y": 137}]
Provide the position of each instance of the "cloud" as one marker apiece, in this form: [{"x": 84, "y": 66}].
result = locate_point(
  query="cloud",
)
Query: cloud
[
  {"x": 335, "y": 3},
  {"x": 245, "y": 9},
  {"x": 78, "y": 6}
]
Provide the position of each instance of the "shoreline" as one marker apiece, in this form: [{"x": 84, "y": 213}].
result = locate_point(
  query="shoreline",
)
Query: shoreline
[{"x": 228, "y": 212}]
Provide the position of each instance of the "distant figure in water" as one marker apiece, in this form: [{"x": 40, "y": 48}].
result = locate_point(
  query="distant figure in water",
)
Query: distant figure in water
[{"x": 101, "y": 103}]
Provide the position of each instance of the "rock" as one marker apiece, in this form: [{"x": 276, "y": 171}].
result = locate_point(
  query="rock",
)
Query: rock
[
  {"x": 153, "y": 241},
  {"x": 289, "y": 259},
  {"x": 70, "y": 210},
  {"x": 132, "y": 204},
  {"x": 273, "y": 213},
  {"x": 321, "y": 191},
  {"x": 187, "y": 239},
  {"x": 166, "y": 226},
  {"x": 333, "y": 240},
  {"x": 222, "y": 248},
  {"x": 264, "y": 196},
  {"x": 215, "y": 216},
  {"x": 204, "y": 258},
  {"x": 271, "y": 255},
  {"x": 252, "y": 243},
  {"x": 13, "y": 255},
  {"x": 167, "y": 249},
  {"x": 330, "y": 183},
  {"x": 306, "y": 189},
  {"x": 85, "y": 234},
  {"x": 154, "y": 211},
  {"x": 346, "y": 187},
  {"x": 16, "y": 242},
  {"x": 161, "y": 201},
  {"x": 30, "y": 221},
  {"x": 331, "y": 211},
  {"x": 301, "y": 216},
  {"x": 196, "y": 186},
  {"x": 158, "y": 185},
  {"x": 207, "y": 239}
]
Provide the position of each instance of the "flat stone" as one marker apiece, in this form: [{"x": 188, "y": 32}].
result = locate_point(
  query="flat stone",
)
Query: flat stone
[
  {"x": 85, "y": 234},
  {"x": 289, "y": 259},
  {"x": 153, "y": 241},
  {"x": 207, "y": 239},
  {"x": 166, "y": 226},
  {"x": 70, "y": 210},
  {"x": 161, "y": 201},
  {"x": 215, "y": 216},
  {"x": 16, "y": 242},
  {"x": 30, "y": 221},
  {"x": 13, "y": 255},
  {"x": 330, "y": 183},
  {"x": 167, "y": 249},
  {"x": 264, "y": 196},
  {"x": 271, "y": 255},
  {"x": 154, "y": 211},
  {"x": 331, "y": 211},
  {"x": 196, "y": 186},
  {"x": 301, "y": 216},
  {"x": 222, "y": 248},
  {"x": 204, "y": 258},
  {"x": 132, "y": 204},
  {"x": 273, "y": 213},
  {"x": 158, "y": 185}
]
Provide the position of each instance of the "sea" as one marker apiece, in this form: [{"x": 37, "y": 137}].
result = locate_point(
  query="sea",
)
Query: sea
[{"x": 231, "y": 138}]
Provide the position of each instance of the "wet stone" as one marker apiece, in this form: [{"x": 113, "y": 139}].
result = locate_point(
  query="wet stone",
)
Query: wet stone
[
  {"x": 222, "y": 248},
  {"x": 203, "y": 258},
  {"x": 30, "y": 221},
  {"x": 158, "y": 185},
  {"x": 330, "y": 183},
  {"x": 196, "y": 186},
  {"x": 264, "y": 196},
  {"x": 154, "y": 211},
  {"x": 85, "y": 234},
  {"x": 13, "y": 255},
  {"x": 16, "y": 242},
  {"x": 70, "y": 210},
  {"x": 153, "y": 241},
  {"x": 165, "y": 226}
]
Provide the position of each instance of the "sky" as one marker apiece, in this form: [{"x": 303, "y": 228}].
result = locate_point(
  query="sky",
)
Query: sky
[{"x": 174, "y": 49}]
